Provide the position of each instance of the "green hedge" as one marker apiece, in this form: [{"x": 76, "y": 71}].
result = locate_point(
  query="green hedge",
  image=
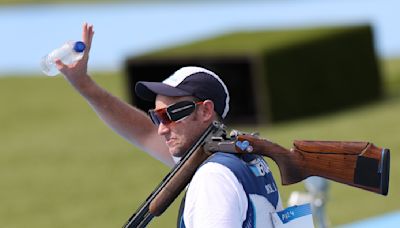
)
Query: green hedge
[
  {"x": 277, "y": 75},
  {"x": 322, "y": 75}
]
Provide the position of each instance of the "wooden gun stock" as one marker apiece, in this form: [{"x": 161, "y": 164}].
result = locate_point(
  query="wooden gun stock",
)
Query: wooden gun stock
[{"x": 359, "y": 164}]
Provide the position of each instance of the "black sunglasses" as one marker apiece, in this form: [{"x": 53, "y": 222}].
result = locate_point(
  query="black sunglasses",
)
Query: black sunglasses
[{"x": 173, "y": 113}]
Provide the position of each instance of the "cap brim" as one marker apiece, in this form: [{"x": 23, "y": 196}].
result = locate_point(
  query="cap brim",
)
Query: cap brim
[{"x": 149, "y": 90}]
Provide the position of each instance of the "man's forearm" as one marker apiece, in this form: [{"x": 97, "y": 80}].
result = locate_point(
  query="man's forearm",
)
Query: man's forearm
[{"x": 128, "y": 121}]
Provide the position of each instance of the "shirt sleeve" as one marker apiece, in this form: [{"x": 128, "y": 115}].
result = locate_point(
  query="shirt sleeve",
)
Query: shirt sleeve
[{"x": 215, "y": 198}]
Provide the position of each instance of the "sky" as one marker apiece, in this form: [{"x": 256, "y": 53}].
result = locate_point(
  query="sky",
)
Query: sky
[{"x": 29, "y": 32}]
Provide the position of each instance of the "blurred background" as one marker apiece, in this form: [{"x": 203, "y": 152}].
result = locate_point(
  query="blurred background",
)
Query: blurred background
[{"x": 318, "y": 70}]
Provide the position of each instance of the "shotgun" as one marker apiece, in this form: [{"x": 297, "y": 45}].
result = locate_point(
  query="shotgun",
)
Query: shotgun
[
  {"x": 358, "y": 164},
  {"x": 176, "y": 180}
]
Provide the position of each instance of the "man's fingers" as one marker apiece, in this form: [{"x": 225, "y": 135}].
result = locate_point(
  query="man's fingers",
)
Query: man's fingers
[
  {"x": 60, "y": 65},
  {"x": 84, "y": 32},
  {"x": 87, "y": 36},
  {"x": 91, "y": 34}
]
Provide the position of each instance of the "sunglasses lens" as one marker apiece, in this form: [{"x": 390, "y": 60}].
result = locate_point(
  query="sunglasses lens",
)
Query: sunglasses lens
[
  {"x": 153, "y": 117},
  {"x": 181, "y": 109},
  {"x": 159, "y": 116}
]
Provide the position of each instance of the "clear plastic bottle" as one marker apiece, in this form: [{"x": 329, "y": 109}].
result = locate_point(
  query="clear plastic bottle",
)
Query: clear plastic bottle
[{"x": 68, "y": 53}]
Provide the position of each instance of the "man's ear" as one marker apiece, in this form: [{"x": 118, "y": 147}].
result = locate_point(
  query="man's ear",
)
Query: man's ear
[{"x": 207, "y": 110}]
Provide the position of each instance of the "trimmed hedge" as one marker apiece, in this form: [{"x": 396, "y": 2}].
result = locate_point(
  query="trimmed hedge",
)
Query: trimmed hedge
[
  {"x": 277, "y": 75},
  {"x": 322, "y": 75}
]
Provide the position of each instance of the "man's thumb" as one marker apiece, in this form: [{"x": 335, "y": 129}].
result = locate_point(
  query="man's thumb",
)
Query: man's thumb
[{"x": 60, "y": 65}]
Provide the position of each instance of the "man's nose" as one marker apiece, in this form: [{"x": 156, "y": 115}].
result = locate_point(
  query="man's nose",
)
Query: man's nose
[{"x": 163, "y": 129}]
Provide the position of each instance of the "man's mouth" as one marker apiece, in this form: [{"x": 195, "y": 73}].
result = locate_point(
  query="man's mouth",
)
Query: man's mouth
[{"x": 170, "y": 142}]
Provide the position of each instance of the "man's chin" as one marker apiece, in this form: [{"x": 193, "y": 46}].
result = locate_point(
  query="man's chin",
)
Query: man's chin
[{"x": 177, "y": 153}]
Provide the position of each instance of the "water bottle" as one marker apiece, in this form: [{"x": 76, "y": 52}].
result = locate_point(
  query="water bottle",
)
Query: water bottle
[{"x": 68, "y": 53}]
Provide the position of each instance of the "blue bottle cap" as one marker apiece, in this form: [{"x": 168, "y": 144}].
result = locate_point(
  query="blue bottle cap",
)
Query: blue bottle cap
[{"x": 79, "y": 46}]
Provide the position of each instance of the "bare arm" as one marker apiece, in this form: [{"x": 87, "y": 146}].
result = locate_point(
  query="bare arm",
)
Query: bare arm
[{"x": 128, "y": 121}]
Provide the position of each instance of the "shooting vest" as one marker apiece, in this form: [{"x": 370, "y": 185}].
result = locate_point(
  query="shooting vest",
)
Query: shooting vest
[{"x": 258, "y": 183}]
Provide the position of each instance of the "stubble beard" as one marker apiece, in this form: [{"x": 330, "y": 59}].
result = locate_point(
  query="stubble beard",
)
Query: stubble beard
[{"x": 179, "y": 149}]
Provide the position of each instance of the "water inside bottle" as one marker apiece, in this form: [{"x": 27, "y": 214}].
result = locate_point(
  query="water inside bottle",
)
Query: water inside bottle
[{"x": 48, "y": 67}]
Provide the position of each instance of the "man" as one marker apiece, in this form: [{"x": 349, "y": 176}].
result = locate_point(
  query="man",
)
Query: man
[{"x": 227, "y": 190}]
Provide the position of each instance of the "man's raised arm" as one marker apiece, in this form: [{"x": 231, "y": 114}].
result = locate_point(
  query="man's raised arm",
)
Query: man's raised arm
[{"x": 128, "y": 121}]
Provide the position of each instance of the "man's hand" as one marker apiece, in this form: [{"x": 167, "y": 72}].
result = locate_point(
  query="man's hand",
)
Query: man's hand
[{"x": 78, "y": 70}]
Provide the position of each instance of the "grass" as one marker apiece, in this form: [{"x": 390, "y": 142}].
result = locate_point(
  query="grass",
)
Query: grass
[{"x": 60, "y": 166}]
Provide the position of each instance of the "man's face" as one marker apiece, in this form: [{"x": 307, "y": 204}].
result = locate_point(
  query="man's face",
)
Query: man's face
[{"x": 180, "y": 135}]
